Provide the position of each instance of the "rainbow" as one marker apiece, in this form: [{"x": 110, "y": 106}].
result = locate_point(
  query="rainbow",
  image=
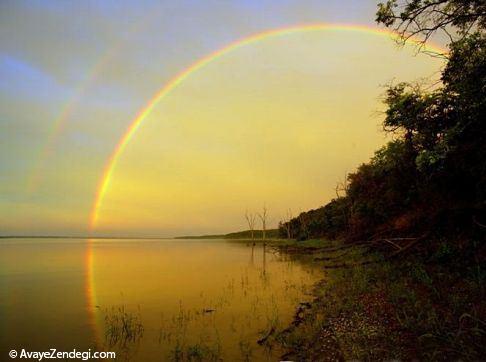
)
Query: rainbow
[
  {"x": 91, "y": 301},
  {"x": 60, "y": 121},
  {"x": 110, "y": 166}
]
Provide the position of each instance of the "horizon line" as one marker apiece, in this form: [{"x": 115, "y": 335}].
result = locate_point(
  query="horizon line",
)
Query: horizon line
[{"x": 81, "y": 237}]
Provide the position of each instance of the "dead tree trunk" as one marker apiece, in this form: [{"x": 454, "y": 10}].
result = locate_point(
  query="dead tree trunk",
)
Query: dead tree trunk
[
  {"x": 287, "y": 224},
  {"x": 263, "y": 218},
  {"x": 250, "y": 219}
]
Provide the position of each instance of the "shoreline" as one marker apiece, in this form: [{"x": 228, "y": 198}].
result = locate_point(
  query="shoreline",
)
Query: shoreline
[{"x": 368, "y": 307}]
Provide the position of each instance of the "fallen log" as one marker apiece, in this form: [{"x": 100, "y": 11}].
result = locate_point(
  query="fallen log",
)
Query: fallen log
[{"x": 408, "y": 246}]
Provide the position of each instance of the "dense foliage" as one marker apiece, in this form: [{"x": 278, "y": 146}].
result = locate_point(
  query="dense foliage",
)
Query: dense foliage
[
  {"x": 433, "y": 174},
  {"x": 408, "y": 283}
]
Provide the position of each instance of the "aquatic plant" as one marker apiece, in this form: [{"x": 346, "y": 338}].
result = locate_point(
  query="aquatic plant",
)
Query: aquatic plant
[{"x": 122, "y": 327}]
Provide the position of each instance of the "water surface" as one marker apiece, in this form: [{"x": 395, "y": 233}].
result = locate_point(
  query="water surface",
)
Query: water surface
[{"x": 209, "y": 298}]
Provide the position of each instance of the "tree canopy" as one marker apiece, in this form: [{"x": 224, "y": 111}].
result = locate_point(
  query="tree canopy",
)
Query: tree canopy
[{"x": 435, "y": 169}]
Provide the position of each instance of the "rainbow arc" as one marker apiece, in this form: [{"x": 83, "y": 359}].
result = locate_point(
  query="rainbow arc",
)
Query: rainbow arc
[{"x": 179, "y": 78}]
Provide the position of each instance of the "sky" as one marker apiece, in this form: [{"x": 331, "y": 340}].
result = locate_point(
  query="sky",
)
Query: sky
[{"x": 276, "y": 122}]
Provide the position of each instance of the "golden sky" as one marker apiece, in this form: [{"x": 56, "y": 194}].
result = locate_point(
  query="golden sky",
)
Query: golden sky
[{"x": 277, "y": 122}]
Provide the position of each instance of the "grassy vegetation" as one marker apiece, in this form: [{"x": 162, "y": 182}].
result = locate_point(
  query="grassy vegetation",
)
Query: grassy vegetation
[
  {"x": 290, "y": 245},
  {"x": 428, "y": 308},
  {"x": 196, "y": 352},
  {"x": 122, "y": 327}
]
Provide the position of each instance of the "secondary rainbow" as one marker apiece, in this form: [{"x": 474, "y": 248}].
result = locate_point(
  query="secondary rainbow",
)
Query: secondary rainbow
[
  {"x": 184, "y": 74},
  {"x": 60, "y": 122},
  {"x": 73, "y": 102}
]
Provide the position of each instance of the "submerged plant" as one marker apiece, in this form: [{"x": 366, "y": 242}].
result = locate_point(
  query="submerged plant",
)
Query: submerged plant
[
  {"x": 195, "y": 352},
  {"x": 122, "y": 327}
]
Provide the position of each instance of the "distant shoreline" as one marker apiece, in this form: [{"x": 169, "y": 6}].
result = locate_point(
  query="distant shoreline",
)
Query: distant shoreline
[
  {"x": 245, "y": 234},
  {"x": 81, "y": 237}
]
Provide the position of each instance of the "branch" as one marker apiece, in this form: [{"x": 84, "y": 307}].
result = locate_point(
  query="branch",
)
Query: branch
[
  {"x": 408, "y": 246},
  {"x": 478, "y": 223},
  {"x": 392, "y": 243}
]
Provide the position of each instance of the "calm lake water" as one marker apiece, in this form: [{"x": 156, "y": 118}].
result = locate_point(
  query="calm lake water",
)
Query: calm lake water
[{"x": 210, "y": 298}]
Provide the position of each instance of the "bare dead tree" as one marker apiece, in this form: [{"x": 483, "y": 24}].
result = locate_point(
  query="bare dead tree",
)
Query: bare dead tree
[
  {"x": 250, "y": 219},
  {"x": 287, "y": 223},
  {"x": 263, "y": 218},
  {"x": 342, "y": 186}
]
